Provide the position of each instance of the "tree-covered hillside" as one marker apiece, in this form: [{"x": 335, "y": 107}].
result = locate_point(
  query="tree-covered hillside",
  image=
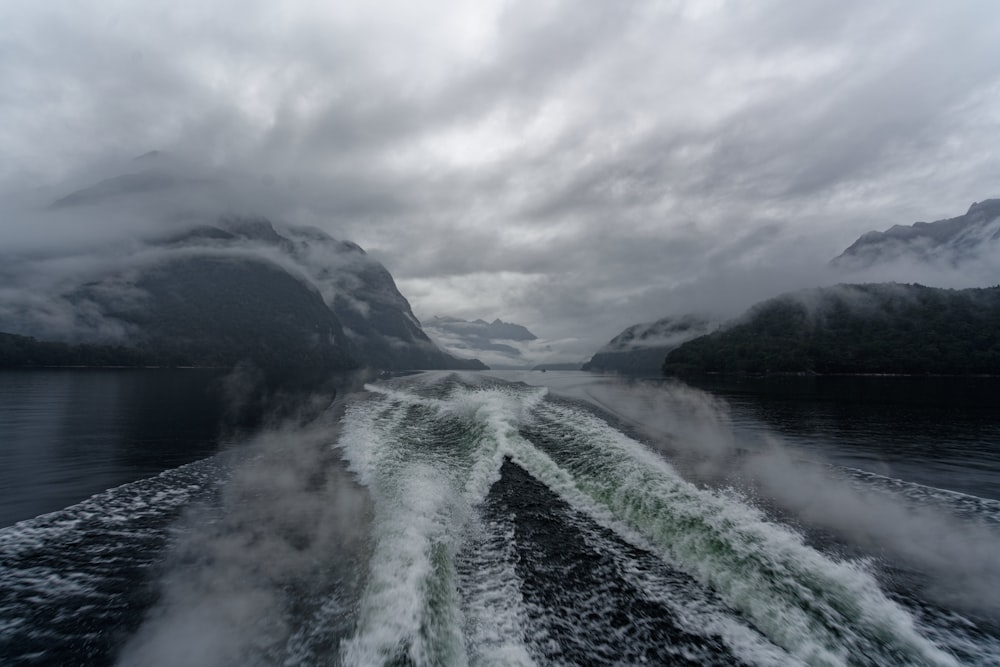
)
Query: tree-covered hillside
[
  {"x": 640, "y": 348},
  {"x": 209, "y": 311},
  {"x": 220, "y": 311},
  {"x": 27, "y": 352},
  {"x": 293, "y": 302},
  {"x": 876, "y": 328}
]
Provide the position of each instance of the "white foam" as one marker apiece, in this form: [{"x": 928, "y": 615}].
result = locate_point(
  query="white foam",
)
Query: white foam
[
  {"x": 964, "y": 504},
  {"x": 79, "y": 553},
  {"x": 429, "y": 454},
  {"x": 491, "y": 597},
  {"x": 425, "y": 499},
  {"x": 695, "y": 611},
  {"x": 818, "y": 609}
]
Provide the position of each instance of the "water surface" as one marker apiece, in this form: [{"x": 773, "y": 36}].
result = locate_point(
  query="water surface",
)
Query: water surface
[
  {"x": 66, "y": 434},
  {"x": 527, "y": 518}
]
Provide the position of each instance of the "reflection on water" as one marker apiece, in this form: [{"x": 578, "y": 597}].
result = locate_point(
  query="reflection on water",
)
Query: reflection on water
[{"x": 66, "y": 434}]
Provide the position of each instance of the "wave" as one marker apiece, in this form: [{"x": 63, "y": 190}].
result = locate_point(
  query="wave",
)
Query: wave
[
  {"x": 429, "y": 452},
  {"x": 67, "y": 579}
]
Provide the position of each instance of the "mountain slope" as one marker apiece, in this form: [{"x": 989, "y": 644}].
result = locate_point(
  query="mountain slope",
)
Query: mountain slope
[
  {"x": 376, "y": 318},
  {"x": 213, "y": 290},
  {"x": 481, "y": 330},
  {"x": 875, "y": 328},
  {"x": 641, "y": 348},
  {"x": 218, "y": 311},
  {"x": 950, "y": 242}
]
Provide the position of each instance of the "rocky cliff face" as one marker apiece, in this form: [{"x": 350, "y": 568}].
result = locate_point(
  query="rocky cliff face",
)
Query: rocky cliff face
[{"x": 949, "y": 242}]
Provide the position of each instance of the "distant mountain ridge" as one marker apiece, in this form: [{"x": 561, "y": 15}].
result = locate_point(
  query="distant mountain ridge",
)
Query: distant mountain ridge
[
  {"x": 951, "y": 241},
  {"x": 641, "y": 348},
  {"x": 501, "y": 342},
  {"x": 481, "y": 329},
  {"x": 870, "y": 328}
]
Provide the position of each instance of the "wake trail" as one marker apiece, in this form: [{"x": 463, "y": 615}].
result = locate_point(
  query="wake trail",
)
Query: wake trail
[{"x": 430, "y": 451}]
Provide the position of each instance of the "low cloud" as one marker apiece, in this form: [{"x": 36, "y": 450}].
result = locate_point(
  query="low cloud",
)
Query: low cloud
[
  {"x": 575, "y": 166},
  {"x": 73, "y": 273}
]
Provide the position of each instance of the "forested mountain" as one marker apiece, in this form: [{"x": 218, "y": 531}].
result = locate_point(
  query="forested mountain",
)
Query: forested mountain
[
  {"x": 213, "y": 291},
  {"x": 874, "y": 328},
  {"x": 26, "y": 352},
  {"x": 218, "y": 311},
  {"x": 641, "y": 347}
]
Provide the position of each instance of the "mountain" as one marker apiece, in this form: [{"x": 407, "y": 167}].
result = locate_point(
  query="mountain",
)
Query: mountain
[
  {"x": 217, "y": 310},
  {"x": 641, "y": 348},
  {"x": 214, "y": 291},
  {"x": 504, "y": 344},
  {"x": 480, "y": 332},
  {"x": 495, "y": 330},
  {"x": 145, "y": 181},
  {"x": 377, "y": 319},
  {"x": 950, "y": 242},
  {"x": 873, "y": 328}
]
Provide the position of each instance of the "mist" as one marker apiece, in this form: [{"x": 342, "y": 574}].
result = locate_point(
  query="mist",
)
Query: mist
[
  {"x": 572, "y": 168},
  {"x": 72, "y": 264},
  {"x": 273, "y": 568},
  {"x": 955, "y": 556},
  {"x": 575, "y": 167}
]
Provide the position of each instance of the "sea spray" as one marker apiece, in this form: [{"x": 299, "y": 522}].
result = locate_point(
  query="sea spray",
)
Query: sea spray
[
  {"x": 429, "y": 452},
  {"x": 821, "y": 610},
  {"x": 428, "y": 462}
]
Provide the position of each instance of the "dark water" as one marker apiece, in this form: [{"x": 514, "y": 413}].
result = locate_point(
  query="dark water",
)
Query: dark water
[
  {"x": 941, "y": 432},
  {"x": 521, "y": 518},
  {"x": 66, "y": 434}
]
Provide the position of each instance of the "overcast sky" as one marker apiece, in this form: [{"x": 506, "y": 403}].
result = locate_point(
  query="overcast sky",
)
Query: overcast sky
[{"x": 572, "y": 166}]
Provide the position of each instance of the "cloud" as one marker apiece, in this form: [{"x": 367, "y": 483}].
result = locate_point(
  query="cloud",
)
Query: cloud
[
  {"x": 86, "y": 285},
  {"x": 575, "y": 167}
]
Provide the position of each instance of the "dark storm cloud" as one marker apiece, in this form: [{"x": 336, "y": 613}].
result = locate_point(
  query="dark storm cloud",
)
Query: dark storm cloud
[{"x": 573, "y": 166}]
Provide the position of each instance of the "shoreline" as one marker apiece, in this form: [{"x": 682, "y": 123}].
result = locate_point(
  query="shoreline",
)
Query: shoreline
[{"x": 108, "y": 367}]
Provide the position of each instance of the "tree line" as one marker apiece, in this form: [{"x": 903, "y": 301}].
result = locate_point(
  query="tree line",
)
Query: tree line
[{"x": 875, "y": 328}]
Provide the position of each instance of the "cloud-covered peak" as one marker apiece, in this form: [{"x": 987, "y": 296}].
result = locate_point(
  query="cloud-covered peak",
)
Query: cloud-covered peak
[
  {"x": 499, "y": 344},
  {"x": 970, "y": 240}
]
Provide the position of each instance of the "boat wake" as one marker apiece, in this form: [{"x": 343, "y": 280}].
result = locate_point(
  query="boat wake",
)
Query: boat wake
[{"x": 458, "y": 519}]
